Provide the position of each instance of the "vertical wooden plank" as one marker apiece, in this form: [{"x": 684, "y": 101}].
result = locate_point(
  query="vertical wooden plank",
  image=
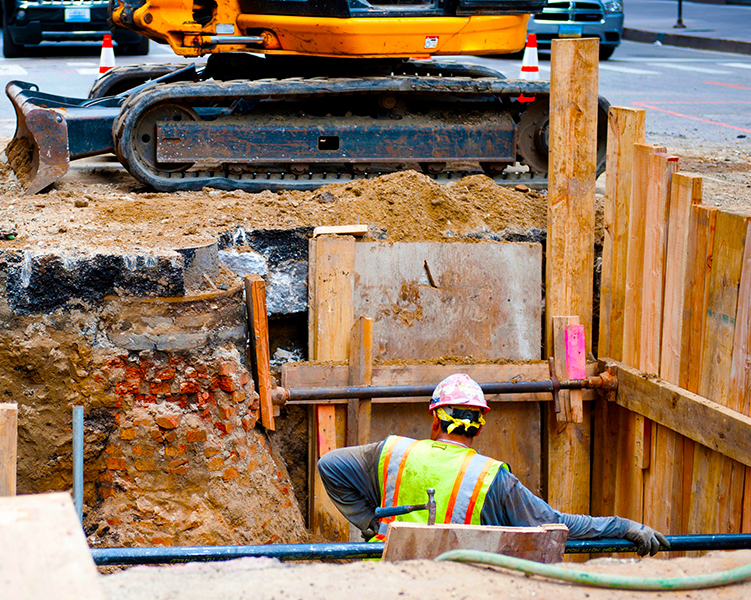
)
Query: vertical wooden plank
[
  {"x": 258, "y": 328},
  {"x": 626, "y": 127},
  {"x": 632, "y": 310},
  {"x": 570, "y": 244},
  {"x": 8, "y": 448},
  {"x": 660, "y": 173},
  {"x": 330, "y": 318},
  {"x": 576, "y": 363},
  {"x": 360, "y": 373},
  {"x": 718, "y": 481}
]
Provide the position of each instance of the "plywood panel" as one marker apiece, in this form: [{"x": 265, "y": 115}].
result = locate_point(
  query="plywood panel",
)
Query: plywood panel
[{"x": 435, "y": 299}]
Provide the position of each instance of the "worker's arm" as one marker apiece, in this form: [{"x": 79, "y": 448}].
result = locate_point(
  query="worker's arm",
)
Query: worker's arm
[
  {"x": 509, "y": 503},
  {"x": 350, "y": 476}
]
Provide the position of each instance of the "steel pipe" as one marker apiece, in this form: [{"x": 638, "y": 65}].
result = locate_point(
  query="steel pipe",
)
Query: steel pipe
[{"x": 357, "y": 551}]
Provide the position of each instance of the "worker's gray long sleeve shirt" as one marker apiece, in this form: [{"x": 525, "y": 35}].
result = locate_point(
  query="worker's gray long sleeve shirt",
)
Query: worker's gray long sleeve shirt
[{"x": 350, "y": 476}]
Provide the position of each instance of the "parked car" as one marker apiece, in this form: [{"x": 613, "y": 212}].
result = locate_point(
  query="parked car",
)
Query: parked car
[
  {"x": 580, "y": 18},
  {"x": 30, "y": 22}
]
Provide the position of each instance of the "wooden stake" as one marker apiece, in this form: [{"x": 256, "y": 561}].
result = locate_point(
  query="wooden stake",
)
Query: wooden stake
[
  {"x": 258, "y": 330},
  {"x": 626, "y": 127},
  {"x": 8, "y": 448},
  {"x": 360, "y": 373}
]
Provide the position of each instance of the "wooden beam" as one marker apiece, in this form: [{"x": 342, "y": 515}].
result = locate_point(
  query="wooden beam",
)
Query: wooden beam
[
  {"x": 626, "y": 127},
  {"x": 353, "y": 230},
  {"x": 360, "y": 373},
  {"x": 8, "y": 448},
  {"x": 258, "y": 330},
  {"x": 331, "y": 264},
  {"x": 570, "y": 244},
  {"x": 709, "y": 423}
]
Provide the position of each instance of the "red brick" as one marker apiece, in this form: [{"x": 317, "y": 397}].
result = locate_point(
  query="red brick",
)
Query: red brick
[
  {"x": 173, "y": 464},
  {"x": 163, "y": 540},
  {"x": 181, "y": 400},
  {"x": 114, "y": 522},
  {"x": 105, "y": 476},
  {"x": 227, "y": 368},
  {"x": 146, "y": 364},
  {"x": 176, "y": 360},
  {"x": 179, "y": 470},
  {"x": 129, "y": 386},
  {"x": 214, "y": 383},
  {"x": 106, "y": 491},
  {"x": 140, "y": 450},
  {"x": 119, "y": 401},
  {"x": 116, "y": 464},
  {"x": 225, "y": 428},
  {"x": 172, "y": 451},
  {"x": 142, "y": 421},
  {"x": 196, "y": 435},
  {"x": 165, "y": 374},
  {"x": 205, "y": 414},
  {"x": 159, "y": 387},
  {"x": 190, "y": 372},
  {"x": 248, "y": 423},
  {"x": 227, "y": 384},
  {"x": 190, "y": 387},
  {"x": 156, "y": 434},
  {"x": 210, "y": 450},
  {"x": 170, "y": 436},
  {"x": 114, "y": 361},
  {"x": 145, "y": 464},
  {"x": 230, "y": 473},
  {"x": 244, "y": 378},
  {"x": 203, "y": 371},
  {"x": 216, "y": 464},
  {"x": 128, "y": 433},
  {"x": 238, "y": 396},
  {"x": 113, "y": 450},
  {"x": 226, "y": 412},
  {"x": 170, "y": 421},
  {"x": 133, "y": 372}
]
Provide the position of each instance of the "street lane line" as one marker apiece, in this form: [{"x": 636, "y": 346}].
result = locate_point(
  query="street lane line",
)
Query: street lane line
[
  {"x": 730, "y": 85},
  {"x": 737, "y": 65},
  {"x": 675, "y": 114},
  {"x": 12, "y": 70},
  {"x": 690, "y": 68},
  {"x": 628, "y": 70},
  {"x": 89, "y": 71}
]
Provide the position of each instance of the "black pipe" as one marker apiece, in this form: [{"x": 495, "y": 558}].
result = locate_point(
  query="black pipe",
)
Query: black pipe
[
  {"x": 400, "y": 391},
  {"x": 338, "y": 551}
]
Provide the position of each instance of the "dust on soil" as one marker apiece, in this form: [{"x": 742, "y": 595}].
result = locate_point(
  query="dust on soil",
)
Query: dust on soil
[{"x": 267, "y": 579}]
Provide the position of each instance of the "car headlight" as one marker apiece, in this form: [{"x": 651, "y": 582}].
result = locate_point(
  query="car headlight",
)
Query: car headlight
[{"x": 613, "y": 6}]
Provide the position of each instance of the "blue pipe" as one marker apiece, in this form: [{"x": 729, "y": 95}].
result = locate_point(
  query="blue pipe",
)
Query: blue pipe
[
  {"x": 78, "y": 460},
  {"x": 337, "y": 551}
]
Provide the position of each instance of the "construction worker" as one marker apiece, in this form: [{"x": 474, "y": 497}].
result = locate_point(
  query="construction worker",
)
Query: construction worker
[{"x": 469, "y": 488}]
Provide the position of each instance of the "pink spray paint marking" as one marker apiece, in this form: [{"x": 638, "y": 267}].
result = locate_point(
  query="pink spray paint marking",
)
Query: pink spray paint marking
[{"x": 575, "y": 352}]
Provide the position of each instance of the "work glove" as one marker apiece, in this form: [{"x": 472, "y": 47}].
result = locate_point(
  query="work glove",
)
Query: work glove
[{"x": 647, "y": 540}]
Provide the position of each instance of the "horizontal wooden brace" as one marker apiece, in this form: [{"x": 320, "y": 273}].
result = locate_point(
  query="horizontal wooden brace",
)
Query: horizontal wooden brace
[
  {"x": 311, "y": 375},
  {"x": 713, "y": 425}
]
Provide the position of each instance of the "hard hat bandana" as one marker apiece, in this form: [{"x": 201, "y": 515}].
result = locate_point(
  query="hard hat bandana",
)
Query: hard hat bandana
[{"x": 444, "y": 416}]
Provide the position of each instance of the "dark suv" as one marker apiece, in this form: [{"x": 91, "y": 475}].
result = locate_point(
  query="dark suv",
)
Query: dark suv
[
  {"x": 580, "y": 18},
  {"x": 30, "y": 22}
]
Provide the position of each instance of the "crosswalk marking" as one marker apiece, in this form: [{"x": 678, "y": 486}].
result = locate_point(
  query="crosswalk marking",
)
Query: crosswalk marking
[
  {"x": 692, "y": 69},
  {"x": 619, "y": 69},
  {"x": 89, "y": 71},
  {"x": 12, "y": 69}
]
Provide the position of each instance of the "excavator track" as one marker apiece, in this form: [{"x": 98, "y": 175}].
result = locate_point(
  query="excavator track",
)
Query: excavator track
[{"x": 304, "y": 133}]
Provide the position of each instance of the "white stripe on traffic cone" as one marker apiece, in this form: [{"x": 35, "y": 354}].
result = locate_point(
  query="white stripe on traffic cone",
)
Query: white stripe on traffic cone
[
  {"x": 530, "y": 69},
  {"x": 107, "y": 58}
]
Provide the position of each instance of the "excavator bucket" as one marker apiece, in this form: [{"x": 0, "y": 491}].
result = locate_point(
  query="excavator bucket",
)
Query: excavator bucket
[{"x": 53, "y": 130}]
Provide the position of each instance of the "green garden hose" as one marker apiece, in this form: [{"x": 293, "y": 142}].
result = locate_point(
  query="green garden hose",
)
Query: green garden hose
[{"x": 608, "y": 580}]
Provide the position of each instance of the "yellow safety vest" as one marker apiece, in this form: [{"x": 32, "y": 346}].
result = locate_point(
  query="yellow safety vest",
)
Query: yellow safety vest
[{"x": 460, "y": 477}]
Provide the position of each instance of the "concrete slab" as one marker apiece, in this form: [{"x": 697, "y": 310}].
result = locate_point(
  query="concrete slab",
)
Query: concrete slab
[{"x": 43, "y": 551}]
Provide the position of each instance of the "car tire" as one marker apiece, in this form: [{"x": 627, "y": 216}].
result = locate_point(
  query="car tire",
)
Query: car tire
[
  {"x": 606, "y": 52},
  {"x": 10, "y": 48},
  {"x": 140, "y": 48}
]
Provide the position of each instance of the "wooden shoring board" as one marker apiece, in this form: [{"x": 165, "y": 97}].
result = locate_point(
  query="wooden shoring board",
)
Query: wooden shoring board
[
  {"x": 258, "y": 344},
  {"x": 330, "y": 319},
  {"x": 626, "y": 127},
  {"x": 360, "y": 373},
  {"x": 431, "y": 299},
  {"x": 570, "y": 245},
  {"x": 718, "y": 481},
  {"x": 664, "y": 482},
  {"x": 45, "y": 554},
  {"x": 8, "y": 448},
  {"x": 410, "y": 541}
]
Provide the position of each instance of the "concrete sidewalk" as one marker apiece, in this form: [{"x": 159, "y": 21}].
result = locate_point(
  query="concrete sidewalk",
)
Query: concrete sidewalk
[{"x": 719, "y": 27}]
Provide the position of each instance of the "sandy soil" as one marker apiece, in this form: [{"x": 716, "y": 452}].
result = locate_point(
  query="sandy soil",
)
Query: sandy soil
[{"x": 268, "y": 579}]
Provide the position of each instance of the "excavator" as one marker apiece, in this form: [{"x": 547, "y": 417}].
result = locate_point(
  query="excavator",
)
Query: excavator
[{"x": 295, "y": 94}]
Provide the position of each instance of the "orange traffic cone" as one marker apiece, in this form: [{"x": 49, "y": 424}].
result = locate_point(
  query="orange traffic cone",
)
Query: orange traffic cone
[
  {"x": 107, "y": 58},
  {"x": 530, "y": 68}
]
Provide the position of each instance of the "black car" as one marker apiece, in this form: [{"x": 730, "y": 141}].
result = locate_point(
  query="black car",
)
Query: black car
[{"x": 30, "y": 22}]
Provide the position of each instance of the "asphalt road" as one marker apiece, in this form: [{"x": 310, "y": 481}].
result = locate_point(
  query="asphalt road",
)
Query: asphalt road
[{"x": 692, "y": 97}]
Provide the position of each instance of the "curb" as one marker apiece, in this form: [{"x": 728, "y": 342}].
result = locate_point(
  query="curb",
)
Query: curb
[{"x": 686, "y": 41}]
